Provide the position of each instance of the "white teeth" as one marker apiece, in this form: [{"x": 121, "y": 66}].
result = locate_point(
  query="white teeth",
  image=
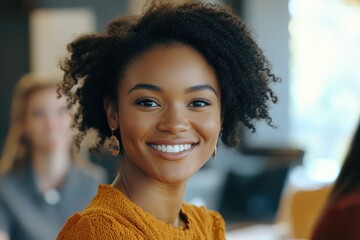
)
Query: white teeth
[{"x": 172, "y": 148}]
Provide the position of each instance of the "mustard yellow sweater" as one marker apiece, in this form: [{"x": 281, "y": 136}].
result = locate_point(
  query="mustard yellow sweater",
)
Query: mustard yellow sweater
[{"x": 111, "y": 215}]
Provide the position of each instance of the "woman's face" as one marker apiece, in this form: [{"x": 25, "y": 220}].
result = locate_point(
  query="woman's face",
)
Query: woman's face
[
  {"x": 47, "y": 122},
  {"x": 169, "y": 112}
]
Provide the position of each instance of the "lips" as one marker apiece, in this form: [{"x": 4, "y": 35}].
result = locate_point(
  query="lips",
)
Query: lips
[{"x": 171, "y": 148}]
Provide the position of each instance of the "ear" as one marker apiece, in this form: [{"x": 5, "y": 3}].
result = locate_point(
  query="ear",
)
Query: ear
[{"x": 111, "y": 113}]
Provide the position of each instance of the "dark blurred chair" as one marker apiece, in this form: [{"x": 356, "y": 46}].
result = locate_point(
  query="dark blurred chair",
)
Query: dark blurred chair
[{"x": 255, "y": 197}]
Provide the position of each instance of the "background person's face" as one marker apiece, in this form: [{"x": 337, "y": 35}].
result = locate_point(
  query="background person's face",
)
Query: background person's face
[
  {"x": 47, "y": 122},
  {"x": 169, "y": 113}
]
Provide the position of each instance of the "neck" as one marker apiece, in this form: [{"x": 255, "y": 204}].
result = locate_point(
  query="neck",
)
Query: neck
[
  {"x": 50, "y": 168},
  {"x": 144, "y": 192}
]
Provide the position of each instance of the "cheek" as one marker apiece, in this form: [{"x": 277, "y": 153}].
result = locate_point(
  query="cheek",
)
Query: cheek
[
  {"x": 33, "y": 127},
  {"x": 32, "y": 133},
  {"x": 208, "y": 125},
  {"x": 66, "y": 122},
  {"x": 134, "y": 126}
]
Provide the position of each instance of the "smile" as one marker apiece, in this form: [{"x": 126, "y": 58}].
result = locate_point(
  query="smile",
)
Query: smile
[{"x": 171, "y": 148}]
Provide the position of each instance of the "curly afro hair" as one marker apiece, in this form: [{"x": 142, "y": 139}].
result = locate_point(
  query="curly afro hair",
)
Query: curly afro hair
[{"x": 97, "y": 63}]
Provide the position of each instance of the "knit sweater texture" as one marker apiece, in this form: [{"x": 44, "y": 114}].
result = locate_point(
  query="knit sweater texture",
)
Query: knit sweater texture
[{"x": 111, "y": 215}]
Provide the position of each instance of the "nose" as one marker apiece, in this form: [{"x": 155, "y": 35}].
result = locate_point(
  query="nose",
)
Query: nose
[
  {"x": 50, "y": 122},
  {"x": 53, "y": 121},
  {"x": 174, "y": 121}
]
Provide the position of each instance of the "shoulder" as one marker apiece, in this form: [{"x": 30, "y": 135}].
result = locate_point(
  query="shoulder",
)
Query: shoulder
[
  {"x": 99, "y": 220},
  {"x": 340, "y": 219},
  {"x": 5, "y": 181},
  {"x": 204, "y": 217},
  {"x": 8, "y": 178},
  {"x": 201, "y": 212},
  {"x": 349, "y": 201},
  {"x": 93, "y": 225},
  {"x": 11, "y": 181},
  {"x": 347, "y": 207}
]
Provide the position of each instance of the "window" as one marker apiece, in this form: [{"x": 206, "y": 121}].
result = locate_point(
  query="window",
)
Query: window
[{"x": 325, "y": 81}]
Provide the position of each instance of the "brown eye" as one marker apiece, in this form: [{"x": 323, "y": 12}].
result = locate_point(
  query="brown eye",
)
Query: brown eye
[
  {"x": 38, "y": 113},
  {"x": 199, "y": 104},
  {"x": 146, "y": 102}
]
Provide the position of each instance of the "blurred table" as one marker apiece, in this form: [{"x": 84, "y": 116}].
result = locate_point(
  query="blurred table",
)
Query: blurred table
[{"x": 256, "y": 231}]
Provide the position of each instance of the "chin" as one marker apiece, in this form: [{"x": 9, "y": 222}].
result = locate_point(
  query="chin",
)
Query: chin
[
  {"x": 173, "y": 180},
  {"x": 50, "y": 147},
  {"x": 175, "y": 177}
]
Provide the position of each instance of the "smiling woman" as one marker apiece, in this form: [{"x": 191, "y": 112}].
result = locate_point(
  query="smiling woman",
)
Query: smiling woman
[
  {"x": 164, "y": 86},
  {"x": 175, "y": 90}
]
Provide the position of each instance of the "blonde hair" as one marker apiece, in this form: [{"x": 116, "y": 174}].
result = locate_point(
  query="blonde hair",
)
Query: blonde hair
[{"x": 16, "y": 147}]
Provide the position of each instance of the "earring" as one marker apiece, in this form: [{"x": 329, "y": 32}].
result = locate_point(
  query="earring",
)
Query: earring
[
  {"x": 114, "y": 145},
  {"x": 214, "y": 153}
]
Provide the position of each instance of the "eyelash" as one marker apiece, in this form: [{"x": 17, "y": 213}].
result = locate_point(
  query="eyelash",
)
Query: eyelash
[
  {"x": 144, "y": 102},
  {"x": 204, "y": 103}
]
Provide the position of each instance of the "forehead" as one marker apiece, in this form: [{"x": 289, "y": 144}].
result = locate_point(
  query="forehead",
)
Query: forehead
[
  {"x": 170, "y": 64},
  {"x": 46, "y": 96}
]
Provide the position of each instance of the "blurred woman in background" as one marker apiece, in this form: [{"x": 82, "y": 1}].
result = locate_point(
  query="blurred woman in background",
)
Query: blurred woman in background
[
  {"x": 341, "y": 217},
  {"x": 40, "y": 185}
]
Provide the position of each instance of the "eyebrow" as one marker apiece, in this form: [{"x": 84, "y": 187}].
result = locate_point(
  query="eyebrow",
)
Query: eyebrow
[
  {"x": 158, "y": 89},
  {"x": 201, "y": 88},
  {"x": 145, "y": 86}
]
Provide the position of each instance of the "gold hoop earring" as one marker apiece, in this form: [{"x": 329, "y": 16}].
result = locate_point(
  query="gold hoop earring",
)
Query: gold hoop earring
[
  {"x": 214, "y": 153},
  {"x": 114, "y": 145}
]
